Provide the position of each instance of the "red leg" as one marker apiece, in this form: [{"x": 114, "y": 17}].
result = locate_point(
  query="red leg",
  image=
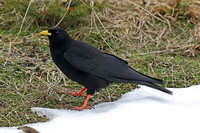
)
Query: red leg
[
  {"x": 84, "y": 104},
  {"x": 79, "y": 93}
]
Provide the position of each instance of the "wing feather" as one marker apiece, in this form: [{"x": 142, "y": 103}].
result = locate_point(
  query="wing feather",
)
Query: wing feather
[
  {"x": 105, "y": 66},
  {"x": 102, "y": 65}
]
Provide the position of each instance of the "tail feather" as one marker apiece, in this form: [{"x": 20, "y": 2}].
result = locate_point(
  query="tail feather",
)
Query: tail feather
[
  {"x": 152, "y": 85},
  {"x": 145, "y": 77},
  {"x": 136, "y": 77},
  {"x": 149, "y": 84},
  {"x": 149, "y": 81}
]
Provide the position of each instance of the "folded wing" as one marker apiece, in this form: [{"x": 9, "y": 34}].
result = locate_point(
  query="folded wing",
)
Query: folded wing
[{"x": 108, "y": 67}]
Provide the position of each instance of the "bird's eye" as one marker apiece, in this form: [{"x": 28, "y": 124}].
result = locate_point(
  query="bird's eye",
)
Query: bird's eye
[{"x": 53, "y": 31}]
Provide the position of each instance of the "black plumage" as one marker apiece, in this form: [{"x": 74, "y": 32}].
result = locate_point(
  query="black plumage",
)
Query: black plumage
[{"x": 91, "y": 67}]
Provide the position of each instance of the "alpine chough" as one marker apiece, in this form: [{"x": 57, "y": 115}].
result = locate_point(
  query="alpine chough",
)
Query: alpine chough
[{"x": 91, "y": 67}]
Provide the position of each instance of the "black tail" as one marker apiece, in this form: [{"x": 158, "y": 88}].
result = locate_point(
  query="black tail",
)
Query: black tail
[
  {"x": 149, "y": 84},
  {"x": 152, "y": 85},
  {"x": 149, "y": 81},
  {"x": 133, "y": 76}
]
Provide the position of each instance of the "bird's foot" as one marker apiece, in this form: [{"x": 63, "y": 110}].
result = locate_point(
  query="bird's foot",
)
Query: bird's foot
[
  {"x": 78, "y": 93},
  {"x": 84, "y": 104}
]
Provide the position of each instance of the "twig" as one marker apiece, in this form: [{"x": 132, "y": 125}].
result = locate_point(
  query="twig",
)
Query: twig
[
  {"x": 167, "y": 51},
  {"x": 160, "y": 36},
  {"x": 93, "y": 11},
  {"x": 147, "y": 11},
  {"x": 9, "y": 50},
  {"x": 69, "y": 3},
  {"x": 6, "y": 119}
]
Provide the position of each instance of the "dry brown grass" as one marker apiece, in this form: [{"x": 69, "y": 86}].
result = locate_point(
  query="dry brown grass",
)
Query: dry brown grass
[{"x": 135, "y": 27}]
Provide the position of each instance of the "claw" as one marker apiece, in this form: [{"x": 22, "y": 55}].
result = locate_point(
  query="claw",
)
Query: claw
[
  {"x": 84, "y": 105},
  {"x": 81, "y": 108}
]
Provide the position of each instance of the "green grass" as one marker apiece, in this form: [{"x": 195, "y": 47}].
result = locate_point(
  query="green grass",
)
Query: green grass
[{"x": 29, "y": 78}]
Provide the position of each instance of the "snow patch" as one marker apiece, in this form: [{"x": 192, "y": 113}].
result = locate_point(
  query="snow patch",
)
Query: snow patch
[{"x": 141, "y": 110}]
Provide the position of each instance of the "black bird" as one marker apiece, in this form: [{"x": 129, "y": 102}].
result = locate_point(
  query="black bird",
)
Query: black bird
[{"x": 91, "y": 67}]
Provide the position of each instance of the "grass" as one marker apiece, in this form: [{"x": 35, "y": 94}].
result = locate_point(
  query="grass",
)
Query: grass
[{"x": 155, "y": 42}]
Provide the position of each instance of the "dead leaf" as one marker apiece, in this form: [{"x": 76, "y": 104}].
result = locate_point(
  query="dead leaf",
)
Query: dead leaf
[{"x": 27, "y": 129}]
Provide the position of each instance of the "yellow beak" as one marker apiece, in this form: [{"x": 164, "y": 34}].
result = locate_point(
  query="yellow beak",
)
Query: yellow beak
[{"x": 45, "y": 32}]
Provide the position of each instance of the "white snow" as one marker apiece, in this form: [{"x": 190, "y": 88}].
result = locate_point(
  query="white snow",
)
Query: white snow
[{"x": 142, "y": 110}]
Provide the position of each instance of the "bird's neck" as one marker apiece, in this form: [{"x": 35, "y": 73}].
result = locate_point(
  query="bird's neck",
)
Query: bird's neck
[
  {"x": 57, "y": 55},
  {"x": 57, "y": 50}
]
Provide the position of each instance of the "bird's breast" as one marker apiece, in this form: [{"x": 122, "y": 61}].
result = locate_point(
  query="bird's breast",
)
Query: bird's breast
[{"x": 65, "y": 66}]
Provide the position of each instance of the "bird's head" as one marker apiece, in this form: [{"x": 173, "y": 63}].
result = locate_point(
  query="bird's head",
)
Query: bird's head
[{"x": 56, "y": 35}]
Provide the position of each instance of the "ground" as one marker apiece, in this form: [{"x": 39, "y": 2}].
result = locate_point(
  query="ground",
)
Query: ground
[{"x": 158, "y": 39}]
